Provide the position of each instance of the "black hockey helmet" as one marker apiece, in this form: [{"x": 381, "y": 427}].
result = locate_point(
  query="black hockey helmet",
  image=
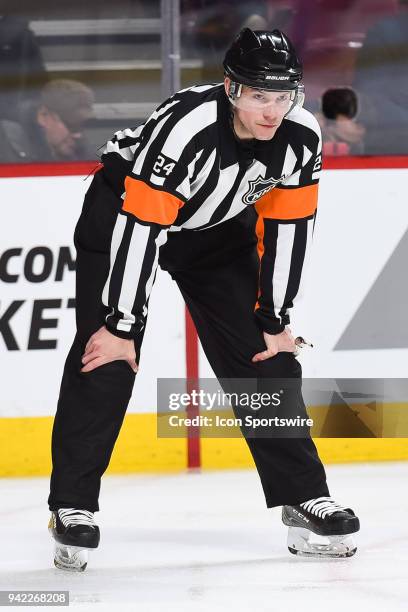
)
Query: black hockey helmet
[{"x": 263, "y": 59}]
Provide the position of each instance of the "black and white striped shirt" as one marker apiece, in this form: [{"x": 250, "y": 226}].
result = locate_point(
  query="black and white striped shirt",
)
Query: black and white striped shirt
[{"x": 184, "y": 170}]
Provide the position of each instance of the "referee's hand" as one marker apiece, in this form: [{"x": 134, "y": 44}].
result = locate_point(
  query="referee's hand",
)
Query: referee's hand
[
  {"x": 283, "y": 342},
  {"x": 103, "y": 347}
]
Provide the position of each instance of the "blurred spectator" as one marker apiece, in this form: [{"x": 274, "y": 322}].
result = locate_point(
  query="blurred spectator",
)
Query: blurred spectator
[
  {"x": 381, "y": 75},
  {"x": 22, "y": 71},
  {"x": 342, "y": 134},
  {"x": 51, "y": 130}
]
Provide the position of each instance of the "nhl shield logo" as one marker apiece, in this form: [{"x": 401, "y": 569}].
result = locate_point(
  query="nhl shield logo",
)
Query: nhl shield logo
[{"x": 259, "y": 187}]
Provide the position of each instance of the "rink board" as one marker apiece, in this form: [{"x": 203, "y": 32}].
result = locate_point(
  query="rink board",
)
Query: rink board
[
  {"x": 24, "y": 448},
  {"x": 354, "y": 242}
]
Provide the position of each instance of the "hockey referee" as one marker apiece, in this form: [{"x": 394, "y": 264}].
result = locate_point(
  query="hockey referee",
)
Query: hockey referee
[{"x": 219, "y": 187}]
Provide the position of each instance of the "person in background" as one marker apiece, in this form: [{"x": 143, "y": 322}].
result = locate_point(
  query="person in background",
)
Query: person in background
[
  {"x": 342, "y": 134},
  {"x": 53, "y": 128}
]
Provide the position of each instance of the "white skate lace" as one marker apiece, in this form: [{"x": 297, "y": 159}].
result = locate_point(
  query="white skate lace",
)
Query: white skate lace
[
  {"x": 322, "y": 506},
  {"x": 72, "y": 516}
]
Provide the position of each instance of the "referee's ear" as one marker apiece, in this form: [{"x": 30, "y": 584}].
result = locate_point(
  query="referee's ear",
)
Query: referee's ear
[{"x": 227, "y": 84}]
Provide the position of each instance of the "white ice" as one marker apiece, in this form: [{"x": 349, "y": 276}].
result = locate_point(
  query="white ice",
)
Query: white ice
[{"x": 206, "y": 542}]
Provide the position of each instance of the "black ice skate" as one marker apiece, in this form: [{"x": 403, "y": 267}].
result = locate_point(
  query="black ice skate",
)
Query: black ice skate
[
  {"x": 74, "y": 532},
  {"x": 321, "y": 528}
]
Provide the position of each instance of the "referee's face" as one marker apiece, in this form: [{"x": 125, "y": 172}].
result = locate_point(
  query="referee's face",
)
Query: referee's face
[
  {"x": 258, "y": 114},
  {"x": 261, "y": 125}
]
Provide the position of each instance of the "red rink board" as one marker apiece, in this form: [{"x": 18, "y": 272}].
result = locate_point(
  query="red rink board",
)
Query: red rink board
[{"x": 85, "y": 168}]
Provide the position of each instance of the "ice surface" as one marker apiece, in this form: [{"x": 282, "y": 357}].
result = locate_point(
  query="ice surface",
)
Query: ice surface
[{"x": 206, "y": 542}]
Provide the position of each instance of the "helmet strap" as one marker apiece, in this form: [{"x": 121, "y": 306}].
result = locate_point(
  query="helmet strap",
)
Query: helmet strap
[
  {"x": 299, "y": 98},
  {"x": 235, "y": 90}
]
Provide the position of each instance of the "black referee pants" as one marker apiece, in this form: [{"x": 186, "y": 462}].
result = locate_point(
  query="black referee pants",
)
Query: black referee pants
[{"x": 217, "y": 272}]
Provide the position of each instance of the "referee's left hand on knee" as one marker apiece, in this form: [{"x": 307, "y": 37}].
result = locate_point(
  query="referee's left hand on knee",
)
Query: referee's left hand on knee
[{"x": 276, "y": 343}]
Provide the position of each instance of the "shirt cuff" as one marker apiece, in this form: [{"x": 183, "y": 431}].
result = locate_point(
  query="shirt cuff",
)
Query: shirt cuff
[
  {"x": 136, "y": 329},
  {"x": 119, "y": 333},
  {"x": 270, "y": 325}
]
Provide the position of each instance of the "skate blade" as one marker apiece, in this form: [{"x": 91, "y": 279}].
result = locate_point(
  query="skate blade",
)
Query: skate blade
[
  {"x": 70, "y": 558},
  {"x": 304, "y": 543}
]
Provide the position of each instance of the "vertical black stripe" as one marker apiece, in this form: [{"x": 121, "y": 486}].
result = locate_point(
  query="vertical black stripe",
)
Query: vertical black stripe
[
  {"x": 314, "y": 221},
  {"x": 296, "y": 264},
  {"x": 141, "y": 298},
  {"x": 268, "y": 266},
  {"x": 119, "y": 265}
]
